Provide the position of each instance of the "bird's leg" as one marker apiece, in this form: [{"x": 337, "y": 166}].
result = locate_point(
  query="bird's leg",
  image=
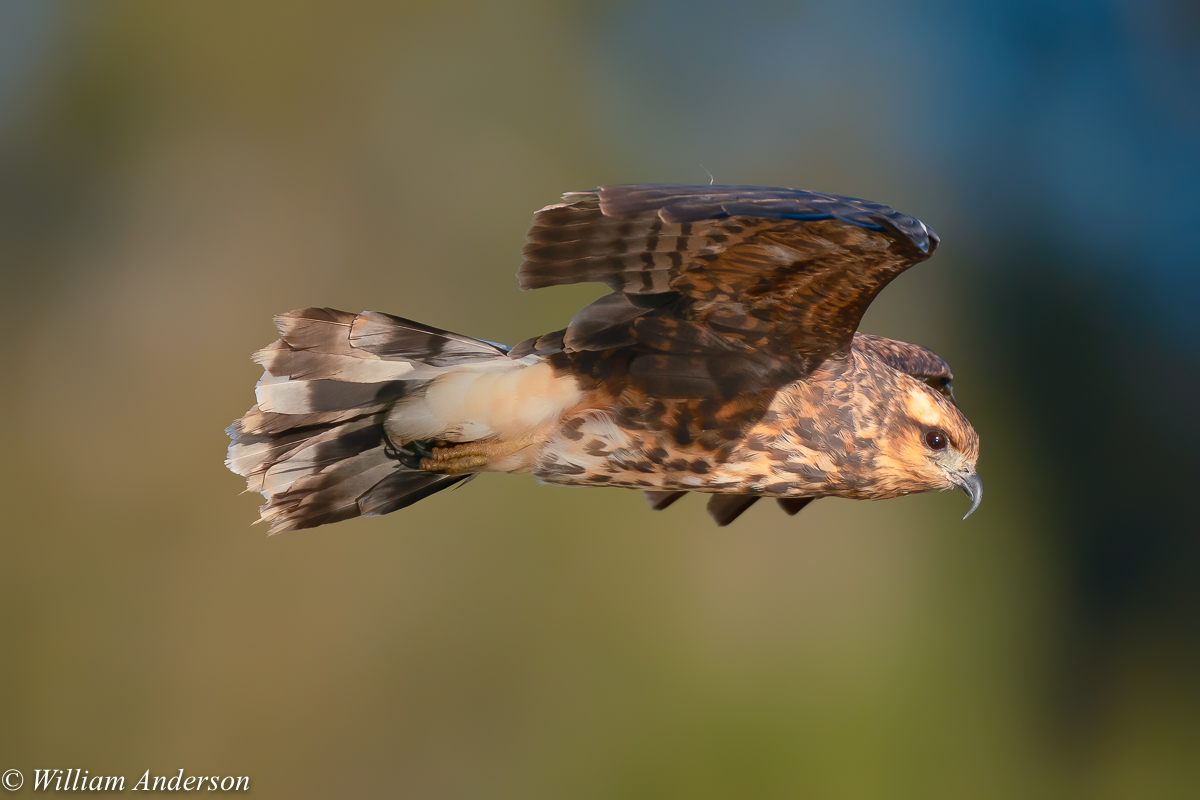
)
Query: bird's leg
[{"x": 470, "y": 456}]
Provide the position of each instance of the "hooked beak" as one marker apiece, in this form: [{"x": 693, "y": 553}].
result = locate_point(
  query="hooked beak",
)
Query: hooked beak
[{"x": 973, "y": 486}]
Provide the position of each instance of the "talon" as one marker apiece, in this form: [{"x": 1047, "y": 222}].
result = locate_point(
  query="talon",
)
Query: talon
[{"x": 410, "y": 454}]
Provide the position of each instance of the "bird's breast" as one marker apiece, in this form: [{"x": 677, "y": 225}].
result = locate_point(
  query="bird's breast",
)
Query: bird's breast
[{"x": 800, "y": 444}]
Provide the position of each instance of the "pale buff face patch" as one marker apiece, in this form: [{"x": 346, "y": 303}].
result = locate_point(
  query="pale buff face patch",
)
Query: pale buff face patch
[
  {"x": 922, "y": 408},
  {"x": 928, "y": 410}
]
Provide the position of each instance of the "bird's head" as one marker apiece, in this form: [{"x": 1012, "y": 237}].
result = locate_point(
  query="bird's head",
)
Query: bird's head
[{"x": 926, "y": 443}]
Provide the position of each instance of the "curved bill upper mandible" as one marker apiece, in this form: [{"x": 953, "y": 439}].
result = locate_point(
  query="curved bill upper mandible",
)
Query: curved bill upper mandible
[{"x": 973, "y": 486}]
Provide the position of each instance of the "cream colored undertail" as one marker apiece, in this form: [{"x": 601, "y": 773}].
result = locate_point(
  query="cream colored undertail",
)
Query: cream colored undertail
[{"x": 497, "y": 401}]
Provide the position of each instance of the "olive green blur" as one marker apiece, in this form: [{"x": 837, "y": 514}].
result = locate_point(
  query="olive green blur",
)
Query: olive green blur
[{"x": 173, "y": 174}]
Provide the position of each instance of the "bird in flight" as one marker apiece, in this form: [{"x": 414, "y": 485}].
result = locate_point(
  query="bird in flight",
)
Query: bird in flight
[{"x": 725, "y": 361}]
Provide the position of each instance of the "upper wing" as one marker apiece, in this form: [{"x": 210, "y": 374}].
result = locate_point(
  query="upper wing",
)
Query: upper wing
[
  {"x": 911, "y": 359},
  {"x": 711, "y": 268}
]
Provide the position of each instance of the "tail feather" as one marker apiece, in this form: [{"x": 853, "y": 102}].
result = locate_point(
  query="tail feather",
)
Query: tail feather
[
  {"x": 328, "y": 496},
  {"x": 395, "y": 337},
  {"x": 267, "y": 453},
  {"x": 286, "y": 396},
  {"x": 272, "y": 466},
  {"x": 300, "y": 364},
  {"x": 401, "y": 489},
  {"x": 315, "y": 445},
  {"x": 256, "y": 422},
  {"x": 368, "y": 484}
]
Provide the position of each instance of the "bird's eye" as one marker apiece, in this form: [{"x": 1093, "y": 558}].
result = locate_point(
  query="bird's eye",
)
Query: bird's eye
[{"x": 936, "y": 440}]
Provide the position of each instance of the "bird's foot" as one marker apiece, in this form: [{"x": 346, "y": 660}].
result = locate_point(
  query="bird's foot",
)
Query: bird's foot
[{"x": 470, "y": 456}]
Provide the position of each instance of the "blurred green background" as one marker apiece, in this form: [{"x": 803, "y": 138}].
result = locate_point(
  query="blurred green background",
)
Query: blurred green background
[{"x": 173, "y": 174}]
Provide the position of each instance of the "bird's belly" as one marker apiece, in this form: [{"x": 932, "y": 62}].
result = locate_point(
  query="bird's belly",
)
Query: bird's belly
[{"x": 592, "y": 450}]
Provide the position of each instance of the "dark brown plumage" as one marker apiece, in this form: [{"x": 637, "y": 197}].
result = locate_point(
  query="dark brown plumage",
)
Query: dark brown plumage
[{"x": 726, "y": 360}]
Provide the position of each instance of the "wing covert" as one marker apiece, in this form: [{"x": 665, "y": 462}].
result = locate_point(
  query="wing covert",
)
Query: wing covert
[
  {"x": 911, "y": 359},
  {"x": 760, "y": 267}
]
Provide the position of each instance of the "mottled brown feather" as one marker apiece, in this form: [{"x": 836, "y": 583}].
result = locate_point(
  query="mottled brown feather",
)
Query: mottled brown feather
[
  {"x": 911, "y": 359},
  {"x": 759, "y": 267}
]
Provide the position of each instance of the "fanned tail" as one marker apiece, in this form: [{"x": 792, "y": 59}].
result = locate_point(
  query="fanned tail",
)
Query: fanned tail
[{"x": 315, "y": 444}]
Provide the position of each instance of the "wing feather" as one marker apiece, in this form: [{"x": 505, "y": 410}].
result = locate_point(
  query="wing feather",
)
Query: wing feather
[
  {"x": 767, "y": 267},
  {"x": 660, "y": 500},
  {"x": 725, "y": 508},
  {"x": 911, "y": 359}
]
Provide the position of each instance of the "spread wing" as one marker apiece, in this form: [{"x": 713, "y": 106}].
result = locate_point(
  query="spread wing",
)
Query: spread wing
[{"x": 719, "y": 269}]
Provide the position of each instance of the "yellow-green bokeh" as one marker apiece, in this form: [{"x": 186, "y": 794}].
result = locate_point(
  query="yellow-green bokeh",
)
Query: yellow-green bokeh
[{"x": 177, "y": 173}]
